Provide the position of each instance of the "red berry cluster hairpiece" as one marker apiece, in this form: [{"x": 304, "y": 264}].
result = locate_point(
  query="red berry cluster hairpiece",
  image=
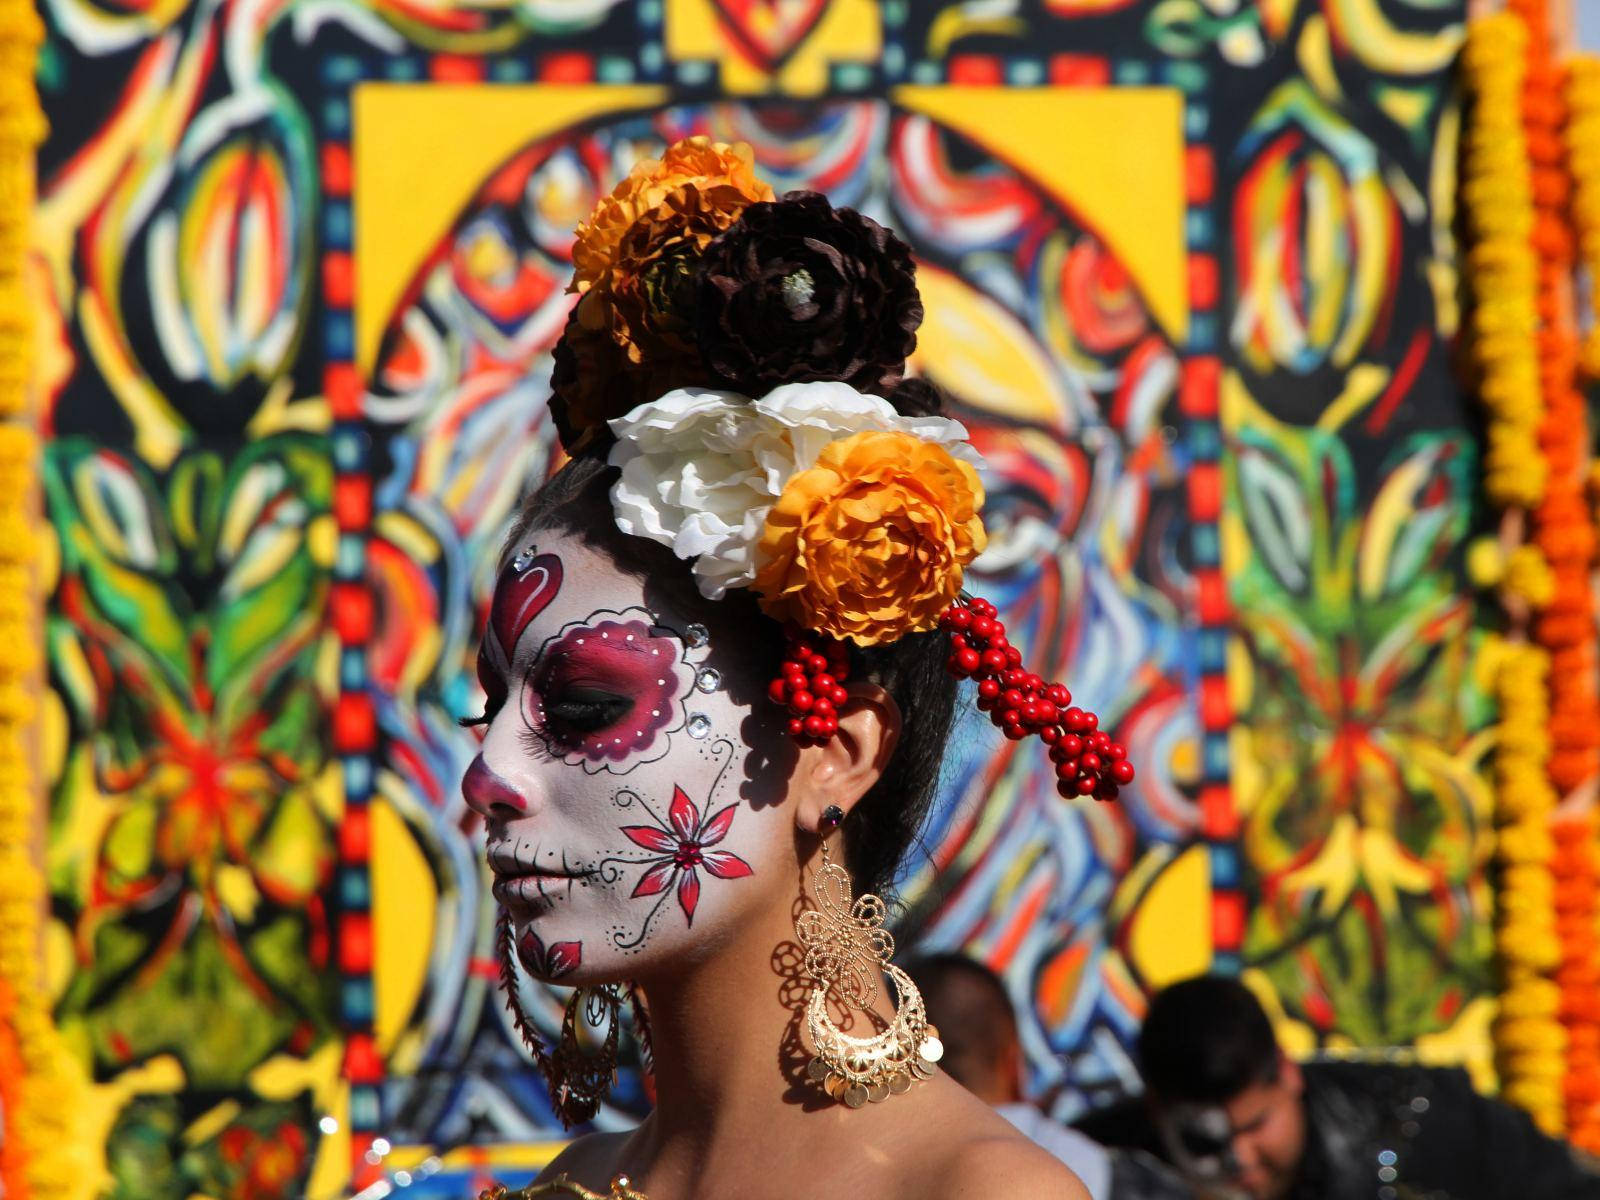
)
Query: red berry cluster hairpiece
[
  {"x": 1020, "y": 703},
  {"x": 811, "y": 685}
]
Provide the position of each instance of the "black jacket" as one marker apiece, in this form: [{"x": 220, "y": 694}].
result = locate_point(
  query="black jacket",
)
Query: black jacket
[{"x": 1382, "y": 1132}]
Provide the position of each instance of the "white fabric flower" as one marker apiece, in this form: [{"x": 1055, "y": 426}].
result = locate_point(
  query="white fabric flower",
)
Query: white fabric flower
[{"x": 701, "y": 469}]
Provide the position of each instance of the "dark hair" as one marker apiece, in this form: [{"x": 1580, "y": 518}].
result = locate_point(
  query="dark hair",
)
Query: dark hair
[
  {"x": 969, "y": 1004},
  {"x": 886, "y": 821},
  {"x": 1205, "y": 1040}
]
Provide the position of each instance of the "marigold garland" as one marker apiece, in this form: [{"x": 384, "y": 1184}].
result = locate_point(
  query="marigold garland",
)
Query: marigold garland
[
  {"x": 1502, "y": 270},
  {"x": 1533, "y": 176},
  {"x": 1565, "y": 535},
  {"x": 36, "y": 1144}
]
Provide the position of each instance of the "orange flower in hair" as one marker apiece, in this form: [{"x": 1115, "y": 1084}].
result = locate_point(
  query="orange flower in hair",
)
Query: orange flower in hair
[
  {"x": 721, "y": 177},
  {"x": 871, "y": 542}
]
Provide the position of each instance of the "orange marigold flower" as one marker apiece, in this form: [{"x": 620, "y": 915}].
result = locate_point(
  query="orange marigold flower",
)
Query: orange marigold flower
[
  {"x": 723, "y": 174},
  {"x": 871, "y": 542}
]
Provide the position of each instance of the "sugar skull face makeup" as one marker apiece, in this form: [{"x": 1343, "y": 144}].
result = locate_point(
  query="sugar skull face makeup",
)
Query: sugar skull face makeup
[{"x": 610, "y": 772}]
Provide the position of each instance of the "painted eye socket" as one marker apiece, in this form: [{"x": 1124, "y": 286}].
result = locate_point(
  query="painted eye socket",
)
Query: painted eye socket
[{"x": 578, "y": 710}]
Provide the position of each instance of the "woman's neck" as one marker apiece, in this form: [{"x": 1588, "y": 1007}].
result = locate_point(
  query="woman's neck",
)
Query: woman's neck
[{"x": 730, "y": 1051}]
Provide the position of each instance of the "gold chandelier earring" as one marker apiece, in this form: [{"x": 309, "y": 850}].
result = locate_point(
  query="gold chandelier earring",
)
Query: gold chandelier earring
[{"x": 847, "y": 955}]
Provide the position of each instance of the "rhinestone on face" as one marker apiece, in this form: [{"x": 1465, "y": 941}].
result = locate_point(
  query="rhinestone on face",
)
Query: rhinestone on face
[
  {"x": 523, "y": 559},
  {"x": 698, "y": 725},
  {"x": 709, "y": 680},
  {"x": 696, "y": 636}
]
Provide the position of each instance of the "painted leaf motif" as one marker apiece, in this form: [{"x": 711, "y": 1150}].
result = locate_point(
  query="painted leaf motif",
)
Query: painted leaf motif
[
  {"x": 724, "y": 865},
  {"x": 650, "y": 838},
  {"x": 684, "y": 815},
  {"x": 654, "y": 881}
]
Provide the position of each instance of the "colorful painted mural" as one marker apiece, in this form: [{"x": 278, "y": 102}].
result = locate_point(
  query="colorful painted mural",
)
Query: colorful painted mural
[{"x": 300, "y": 267}]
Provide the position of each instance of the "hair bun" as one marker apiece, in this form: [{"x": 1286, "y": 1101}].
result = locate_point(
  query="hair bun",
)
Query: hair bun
[{"x": 915, "y": 396}]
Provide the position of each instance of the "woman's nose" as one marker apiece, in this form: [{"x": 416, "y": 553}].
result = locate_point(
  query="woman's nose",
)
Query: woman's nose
[{"x": 486, "y": 793}]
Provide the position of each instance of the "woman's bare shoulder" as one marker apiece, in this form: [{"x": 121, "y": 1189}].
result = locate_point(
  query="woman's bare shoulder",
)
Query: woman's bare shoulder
[
  {"x": 964, "y": 1150},
  {"x": 590, "y": 1160},
  {"x": 1007, "y": 1168}
]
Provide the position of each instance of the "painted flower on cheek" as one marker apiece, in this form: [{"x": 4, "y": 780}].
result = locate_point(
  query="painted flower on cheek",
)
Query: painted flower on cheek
[
  {"x": 683, "y": 849},
  {"x": 560, "y": 958},
  {"x": 609, "y": 692}
]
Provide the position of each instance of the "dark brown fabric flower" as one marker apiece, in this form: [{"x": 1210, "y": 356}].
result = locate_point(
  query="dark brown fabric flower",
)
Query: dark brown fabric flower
[
  {"x": 594, "y": 379},
  {"x": 797, "y": 290}
]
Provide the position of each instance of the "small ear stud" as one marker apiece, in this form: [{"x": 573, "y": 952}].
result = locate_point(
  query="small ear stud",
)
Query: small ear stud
[{"x": 832, "y": 818}]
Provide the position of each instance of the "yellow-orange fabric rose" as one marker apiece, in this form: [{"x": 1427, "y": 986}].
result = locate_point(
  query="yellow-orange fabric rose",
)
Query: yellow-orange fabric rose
[
  {"x": 723, "y": 174},
  {"x": 871, "y": 542}
]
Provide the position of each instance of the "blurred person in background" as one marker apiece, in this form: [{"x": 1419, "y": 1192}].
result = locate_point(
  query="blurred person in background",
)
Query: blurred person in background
[
  {"x": 983, "y": 1053},
  {"x": 1242, "y": 1121}
]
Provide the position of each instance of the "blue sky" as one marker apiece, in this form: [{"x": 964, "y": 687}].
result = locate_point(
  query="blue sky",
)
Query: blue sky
[{"x": 1588, "y": 13}]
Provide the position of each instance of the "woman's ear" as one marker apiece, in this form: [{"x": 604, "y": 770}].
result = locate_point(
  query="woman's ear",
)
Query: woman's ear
[{"x": 843, "y": 769}]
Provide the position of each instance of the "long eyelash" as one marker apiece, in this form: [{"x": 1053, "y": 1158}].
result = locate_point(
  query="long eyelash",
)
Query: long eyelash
[
  {"x": 536, "y": 741},
  {"x": 468, "y": 722}
]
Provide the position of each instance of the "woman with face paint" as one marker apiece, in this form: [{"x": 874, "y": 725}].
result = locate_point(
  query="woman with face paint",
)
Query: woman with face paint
[{"x": 720, "y": 667}]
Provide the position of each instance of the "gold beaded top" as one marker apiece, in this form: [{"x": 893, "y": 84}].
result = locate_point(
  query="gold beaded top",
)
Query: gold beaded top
[{"x": 562, "y": 1185}]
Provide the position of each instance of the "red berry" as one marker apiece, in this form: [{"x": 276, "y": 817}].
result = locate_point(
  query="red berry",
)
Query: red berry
[
  {"x": 1049, "y": 714},
  {"x": 1066, "y": 788},
  {"x": 1015, "y": 732},
  {"x": 1090, "y": 721},
  {"x": 1073, "y": 719},
  {"x": 969, "y": 659},
  {"x": 830, "y": 726},
  {"x": 814, "y": 726},
  {"x": 1058, "y": 695},
  {"x": 1013, "y": 656},
  {"x": 1090, "y": 763},
  {"x": 993, "y": 660},
  {"x": 1085, "y": 785},
  {"x": 823, "y": 708},
  {"x": 989, "y": 689},
  {"x": 1072, "y": 744},
  {"x": 1106, "y": 791},
  {"x": 1099, "y": 741},
  {"x": 1013, "y": 698},
  {"x": 1058, "y": 753},
  {"x": 1122, "y": 771},
  {"x": 1066, "y": 769},
  {"x": 952, "y": 666},
  {"x": 1031, "y": 714},
  {"x": 778, "y": 691},
  {"x": 981, "y": 606},
  {"x": 797, "y": 727},
  {"x": 1009, "y": 713},
  {"x": 1050, "y": 735},
  {"x": 1115, "y": 751},
  {"x": 1034, "y": 682},
  {"x": 987, "y": 703},
  {"x": 793, "y": 670},
  {"x": 1012, "y": 678},
  {"x": 960, "y": 618},
  {"x": 982, "y": 628},
  {"x": 822, "y": 683},
  {"x": 839, "y": 696},
  {"x": 999, "y": 642},
  {"x": 801, "y": 702},
  {"x": 816, "y": 664}
]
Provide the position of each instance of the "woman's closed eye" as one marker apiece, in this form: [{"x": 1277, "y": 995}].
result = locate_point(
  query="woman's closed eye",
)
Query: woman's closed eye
[{"x": 579, "y": 709}]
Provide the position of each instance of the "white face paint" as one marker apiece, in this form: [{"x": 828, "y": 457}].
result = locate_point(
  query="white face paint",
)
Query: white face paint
[{"x": 611, "y": 772}]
